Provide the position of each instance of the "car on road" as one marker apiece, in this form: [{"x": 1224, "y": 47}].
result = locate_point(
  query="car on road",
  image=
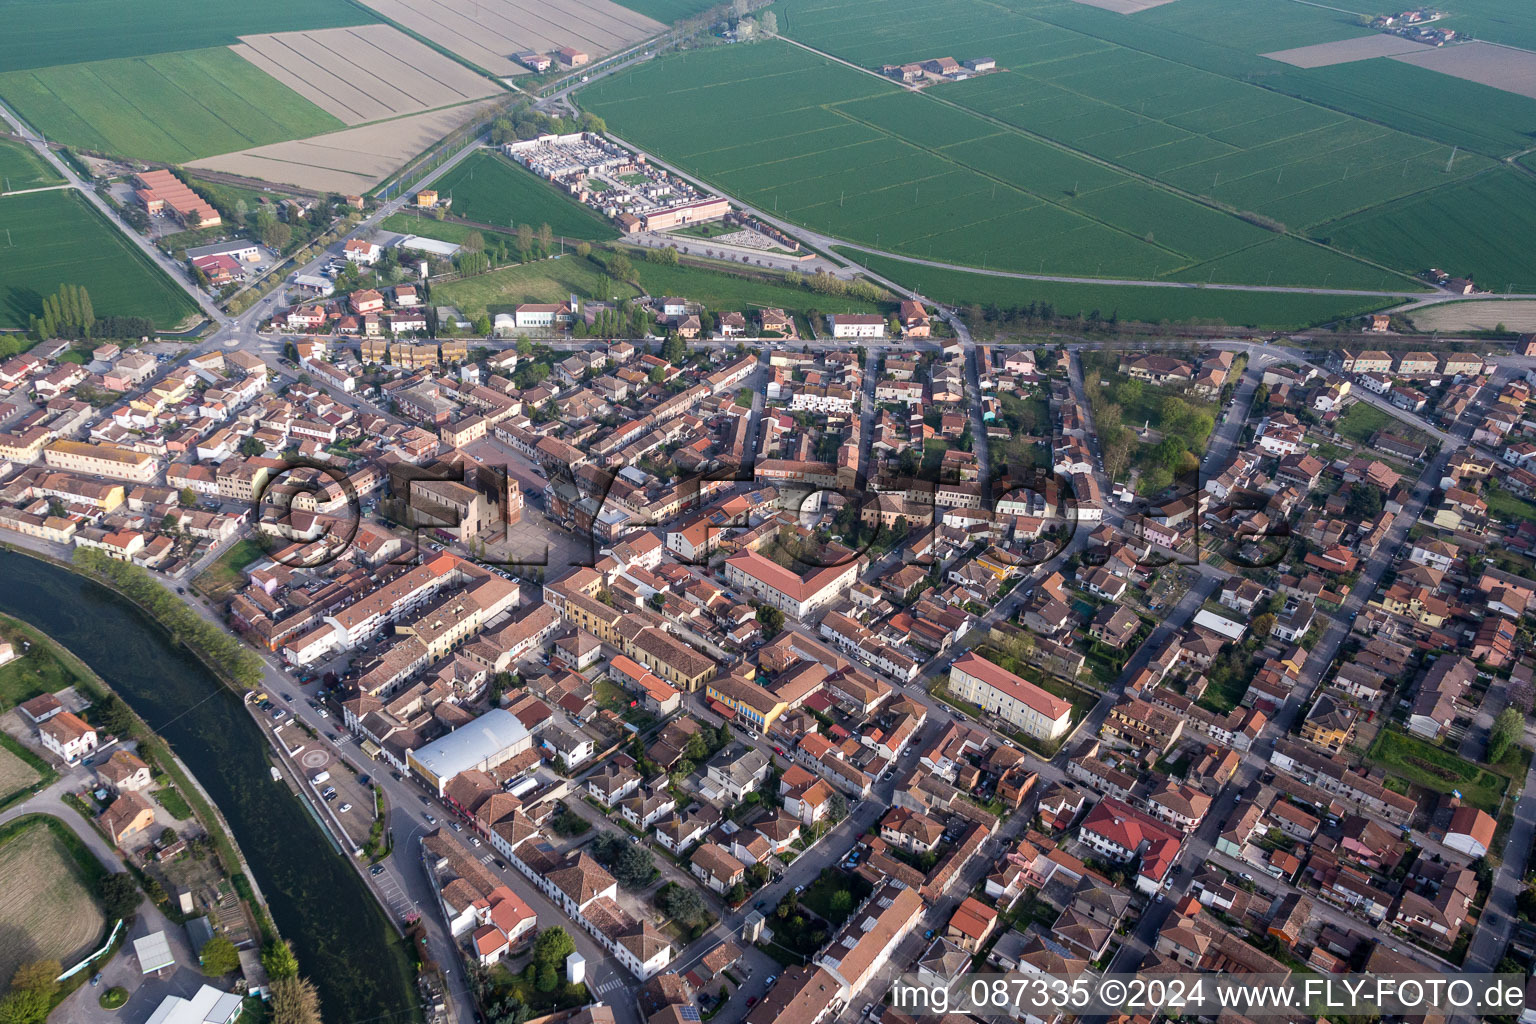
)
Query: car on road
[
  {"x": 1245, "y": 876},
  {"x": 799, "y": 889},
  {"x": 1159, "y": 897},
  {"x": 867, "y": 1007},
  {"x": 96, "y": 980},
  {"x": 751, "y": 1001},
  {"x": 928, "y": 934},
  {"x": 474, "y": 840},
  {"x": 458, "y": 827},
  {"x": 429, "y": 819}
]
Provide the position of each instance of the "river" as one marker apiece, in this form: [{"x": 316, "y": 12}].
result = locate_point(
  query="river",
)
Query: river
[{"x": 340, "y": 934}]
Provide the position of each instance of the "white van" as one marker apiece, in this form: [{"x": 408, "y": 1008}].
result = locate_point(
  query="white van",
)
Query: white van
[{"x": 320, "y": 777}]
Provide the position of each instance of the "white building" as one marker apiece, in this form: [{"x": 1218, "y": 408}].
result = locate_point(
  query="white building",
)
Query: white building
[
  {"x": 1017, "y": 701},
  {"x": 856, "y": 325},
  {"x": 68, "y": 736}
]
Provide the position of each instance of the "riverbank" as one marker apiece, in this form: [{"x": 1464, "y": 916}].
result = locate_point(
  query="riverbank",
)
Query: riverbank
[
  {"x": 159, "y": 755},
  {"x": 342, "y": 938}
]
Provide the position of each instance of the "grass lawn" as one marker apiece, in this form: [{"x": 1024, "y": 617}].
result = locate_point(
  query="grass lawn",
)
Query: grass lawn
[
  {"x": 38, "y": 671},
  {"x": 1507, "y": 506},
  {"x": 489, "y": 188},
  {"x": 21, "y": 167},
  {"x": 56, "y": 238},
  {"x": 720, "y": 290},
  {"x": 38, "y": 34},
  {"x": 224, "y": 576},
  {"x": 173, "y": 802},
  {"x": 170, "y": 107},
  {"x": 1363, "y": 419},
  {"x": 548, "y": 280},
  {"x": 1223, "y": 698},
  {"x": 1436, "y": 769},
  {"x": 21, "y": 771}
]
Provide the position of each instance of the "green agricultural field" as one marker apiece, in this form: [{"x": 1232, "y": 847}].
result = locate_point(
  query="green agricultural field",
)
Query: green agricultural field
[
  {"x": 1266, "y": 310},
  {"x": 540, "y": 281},
  {"x": 722, "y": 291},
  {"x": 21, "y": 168},
  {"x": 668, "y": 11},
  {"x": 55, "y": 238},
  {"x": 171, "y": 107},
  {"x": 491, "y": 189},
  {"x": 1465, "y": 226},
  {"x": 42, "y": 33},
  {"x": 856, "y": 157}
]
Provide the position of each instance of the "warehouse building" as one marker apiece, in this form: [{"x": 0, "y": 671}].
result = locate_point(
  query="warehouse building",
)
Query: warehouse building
[{"x": 489, "y": 741}]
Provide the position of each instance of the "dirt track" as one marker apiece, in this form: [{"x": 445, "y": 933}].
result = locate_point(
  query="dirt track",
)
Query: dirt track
[
  {"x": 363, "y": 74},
  {"x": 349, "y": 161},
  {"x": 487, "y": 32}
]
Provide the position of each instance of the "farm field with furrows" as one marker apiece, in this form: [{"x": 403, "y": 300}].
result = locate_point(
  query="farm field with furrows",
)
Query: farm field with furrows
[
  {"x": 487, "y": 32},
  {"x": 55, "y": 238},
  {"x": 47, "y": 911},
  {"x": 1183, "y": 94},
  {"x": 490, "y": 189},
  {"x": 169, "y": 107},
  {"x": 863, "y": 160},
  {"x": 352, "y": 160}
]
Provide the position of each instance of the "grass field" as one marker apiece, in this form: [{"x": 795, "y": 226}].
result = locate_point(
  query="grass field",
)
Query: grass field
[
  {"x": 1441, "y": 771},
  {"x": 858, "y": 158},
  {"x": 21, "y": 167},
  {"x": 1269, "y": 310},
  {"x": 721, "y": 291},
  {"x": 37, "y": 671},
  {"x": 491, "y": 189},
  {"x": 41, "y": 33},
  {"x": 174, "y": 803},
  {"x": 48, "y": 911},
  {"x": 170, "y": 107},
  {"x": 56, "y": 238},
  {"x": 541, "y": 281}
]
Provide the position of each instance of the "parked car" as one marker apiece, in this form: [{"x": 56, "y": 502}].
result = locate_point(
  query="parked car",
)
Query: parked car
[
  {"x": 344, "y": 808},
  {"x": 377, "y": 869},
  {"x": 429, "y": 819}
]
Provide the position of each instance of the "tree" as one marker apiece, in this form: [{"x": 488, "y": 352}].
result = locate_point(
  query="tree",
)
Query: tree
[
  {"x": 250, "y": 446},
  {"x": 219, "y": 957},
  {"x": 772, "y": 620},
  {"x": 113, "y": 715},
  {"x": 188, "y": 497},
  {"x": 37, "y": 976},
  {"x": 769, "y": 23},
  {"x": 118, "y": 894},
  {"x": 837, "y": 807},
  {"x": 1262, "y": 625},
  {"x": 552, "y": 946},
  {"x": 584, "y": 250},
  {"x": 841, "y": 902},
  {"x": 682, "y": 903},
  {"x": 474, "y": 242},
  {"x": 25, "y": 1006},
  {"x": 294, "y": 1001},
  {"x": 549, "y": 978},
  {"x": 546, "y": 236},
  {"x": 697, "y": 748},
  {"x": 481, "y": 326},
  {"x": 1365, "y": 502},
  {"x": 279, "y": 961},
  {"x": 1507, "y": 729}
]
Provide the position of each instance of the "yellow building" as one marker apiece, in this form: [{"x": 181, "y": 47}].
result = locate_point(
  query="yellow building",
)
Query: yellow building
[
  {"x": 749, "y": 701},
  {"x": 102, "y": 460}
]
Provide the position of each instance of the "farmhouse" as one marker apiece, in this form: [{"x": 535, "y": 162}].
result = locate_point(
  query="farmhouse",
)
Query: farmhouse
[
  {"x": 571, "y": 57},
  {"x": 67, "y": 735},
  {"x": 537, "y": 62}
]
